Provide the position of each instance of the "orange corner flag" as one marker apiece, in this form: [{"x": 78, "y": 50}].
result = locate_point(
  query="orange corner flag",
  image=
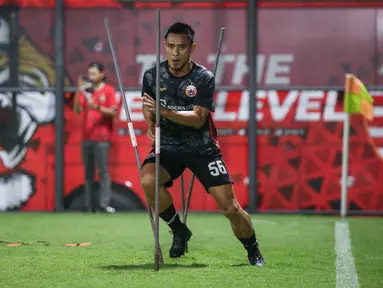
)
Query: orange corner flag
[{"x": 357, "y": 99}]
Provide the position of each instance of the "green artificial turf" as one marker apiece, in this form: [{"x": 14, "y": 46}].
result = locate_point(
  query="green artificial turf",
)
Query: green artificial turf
[{"x": 299, "y": 251}]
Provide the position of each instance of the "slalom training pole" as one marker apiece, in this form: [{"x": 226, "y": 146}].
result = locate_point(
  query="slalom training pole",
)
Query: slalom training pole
[
  {"x": 157, "y": 251},
  {"x": 219, "y": 47},
  {"x": 130, "y": 124}
]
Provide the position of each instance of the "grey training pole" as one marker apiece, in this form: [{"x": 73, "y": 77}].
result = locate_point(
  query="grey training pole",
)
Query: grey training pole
[
  {"x": 126, "y": 108},
  {"x": 220, "y": 40},
  {"x": 157, "y": 147}
]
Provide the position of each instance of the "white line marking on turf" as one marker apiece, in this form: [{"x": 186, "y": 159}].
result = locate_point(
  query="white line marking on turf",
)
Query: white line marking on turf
[{"x": 346, "y": 276}]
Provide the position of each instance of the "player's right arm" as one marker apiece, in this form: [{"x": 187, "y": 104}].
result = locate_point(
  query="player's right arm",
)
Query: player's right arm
[{"x": 146, "y": 89}]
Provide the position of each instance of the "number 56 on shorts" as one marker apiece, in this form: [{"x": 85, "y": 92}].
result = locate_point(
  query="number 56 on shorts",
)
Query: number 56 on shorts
[{"x": 217, "y": 168}]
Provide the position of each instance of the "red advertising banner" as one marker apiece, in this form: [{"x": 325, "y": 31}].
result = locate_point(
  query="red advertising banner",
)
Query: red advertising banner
[{"x": 298, "y": 159}]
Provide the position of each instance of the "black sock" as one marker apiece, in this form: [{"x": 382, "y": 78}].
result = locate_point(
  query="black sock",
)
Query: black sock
[
  {"x": 249, "y": 242},
  {"x": 171, "y": 217}
]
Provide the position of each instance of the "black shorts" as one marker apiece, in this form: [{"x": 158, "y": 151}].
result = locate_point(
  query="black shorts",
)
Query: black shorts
[{"x": 210, "y": 170}]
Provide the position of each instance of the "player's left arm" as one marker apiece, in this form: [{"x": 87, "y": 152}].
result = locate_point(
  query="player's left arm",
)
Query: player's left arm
[
  {"x": 204, "y": 103},
  {"x": 110, "y": 107}
]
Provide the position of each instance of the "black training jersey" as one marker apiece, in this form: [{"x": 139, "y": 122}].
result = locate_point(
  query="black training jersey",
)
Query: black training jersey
[{"x": 181, "y": 94}]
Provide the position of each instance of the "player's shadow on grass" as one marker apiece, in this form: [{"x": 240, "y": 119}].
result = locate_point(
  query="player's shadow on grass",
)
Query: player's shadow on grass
[
  {"x": 150, "y": 266},
  {"x": 240, "y": 265}
]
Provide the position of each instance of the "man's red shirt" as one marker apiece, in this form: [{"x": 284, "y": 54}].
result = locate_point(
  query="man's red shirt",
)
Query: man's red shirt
[{"x": 98, "y": 126}]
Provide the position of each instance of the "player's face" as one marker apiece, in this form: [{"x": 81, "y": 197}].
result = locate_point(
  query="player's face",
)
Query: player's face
[
  {"x": 178, "y": 50},
  {"x": 95, "y": 75}
]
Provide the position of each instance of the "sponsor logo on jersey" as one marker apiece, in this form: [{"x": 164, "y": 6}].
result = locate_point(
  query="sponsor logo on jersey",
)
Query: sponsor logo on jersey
[
  {"x": 176, "y": 107},
  {"x": 181, "y": 108},
  {"x": 163, "y": 102}
]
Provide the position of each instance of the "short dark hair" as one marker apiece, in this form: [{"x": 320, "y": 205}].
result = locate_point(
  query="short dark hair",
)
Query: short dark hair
[
  {"x": 181, "y": 28},
  {"x": 97, "y": 65}
]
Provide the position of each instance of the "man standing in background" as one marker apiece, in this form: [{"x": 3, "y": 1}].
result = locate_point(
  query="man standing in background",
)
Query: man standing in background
[{"x": 96, "y": 100}]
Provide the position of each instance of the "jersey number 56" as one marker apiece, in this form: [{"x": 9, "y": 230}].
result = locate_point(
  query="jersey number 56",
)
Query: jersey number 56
[{"x": 216, "y": 168}]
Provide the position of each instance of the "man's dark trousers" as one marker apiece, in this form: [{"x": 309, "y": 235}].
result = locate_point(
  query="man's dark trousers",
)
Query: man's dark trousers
[{"x": 96, "y": 153}]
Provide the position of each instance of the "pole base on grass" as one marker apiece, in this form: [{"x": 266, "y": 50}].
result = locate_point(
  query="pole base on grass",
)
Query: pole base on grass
[
  {"x": 161, "y": 257},
  {"x": 157, "y": 258}
]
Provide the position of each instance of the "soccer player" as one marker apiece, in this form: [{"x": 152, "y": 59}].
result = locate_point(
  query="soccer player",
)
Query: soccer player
[
  {"x": 189, "y": 140},
  {"x": 99, "y": 106}
]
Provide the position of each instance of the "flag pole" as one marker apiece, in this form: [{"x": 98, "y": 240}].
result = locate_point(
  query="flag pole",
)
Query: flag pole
[
  {"x": 345, "y": 154},
  {"x": 346, "y": 136},
  {"x": 357, "y": 100}
]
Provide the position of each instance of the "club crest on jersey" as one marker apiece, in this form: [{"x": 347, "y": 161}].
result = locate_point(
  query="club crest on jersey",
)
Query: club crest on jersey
[
  {"x": 191, "y": 91},
  {"x": 102, "y": 98}
]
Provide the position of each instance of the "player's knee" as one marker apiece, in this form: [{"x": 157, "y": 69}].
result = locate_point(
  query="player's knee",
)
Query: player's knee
[
  {"x": 232, "y": 210},
  {"x": 148, "y": 183}
]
